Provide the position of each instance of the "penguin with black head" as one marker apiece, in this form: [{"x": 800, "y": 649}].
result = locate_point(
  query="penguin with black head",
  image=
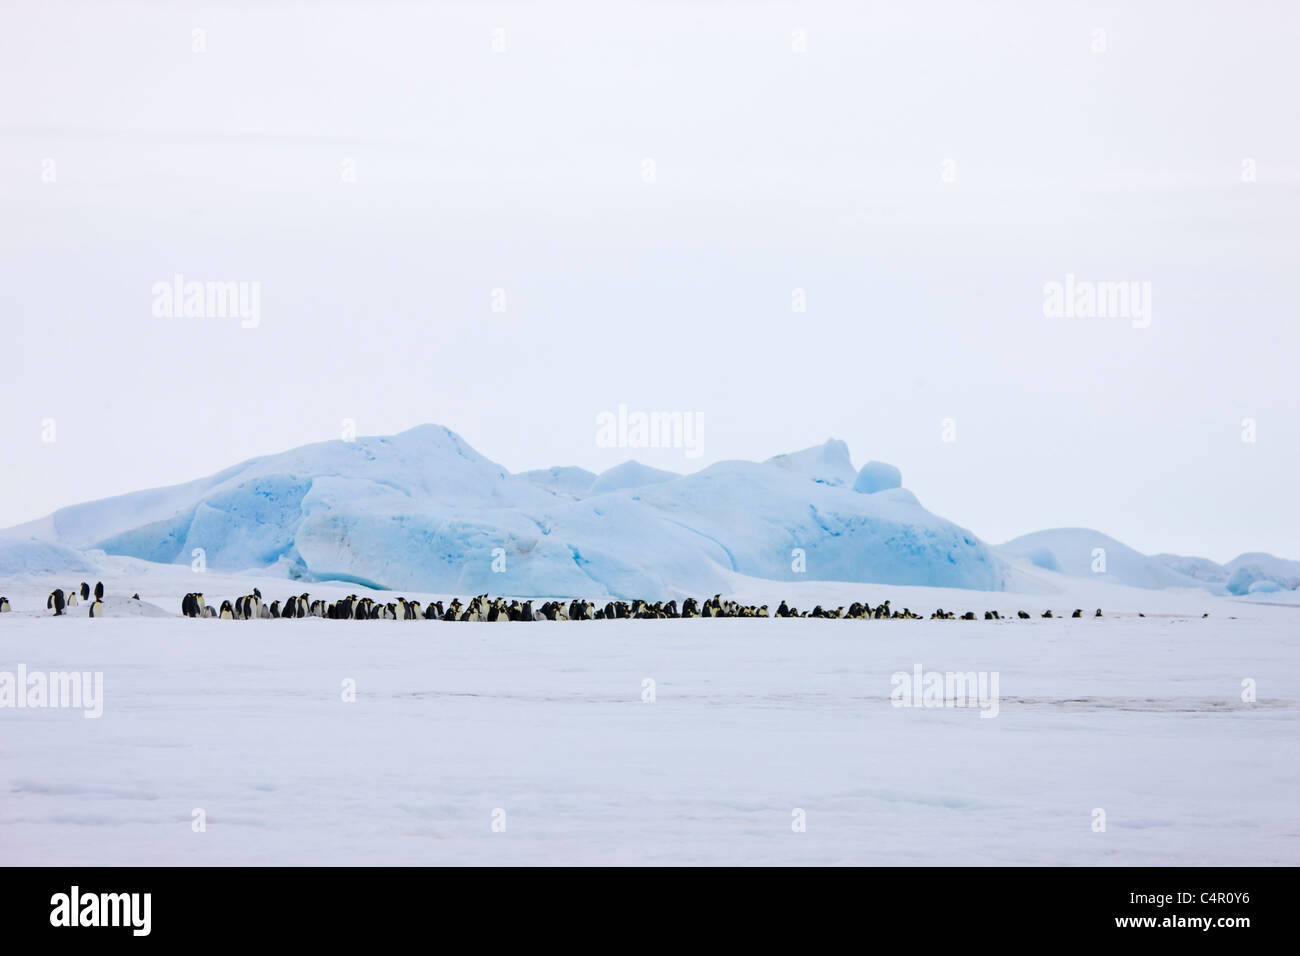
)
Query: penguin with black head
[{"x": 56, "y": 602}]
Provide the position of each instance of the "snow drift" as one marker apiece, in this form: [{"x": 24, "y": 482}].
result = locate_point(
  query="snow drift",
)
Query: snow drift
[
  {"x": 1083, "y": 553},
  {"x": 32, "y": 556},
  {"x": 1073, "y": 552}
]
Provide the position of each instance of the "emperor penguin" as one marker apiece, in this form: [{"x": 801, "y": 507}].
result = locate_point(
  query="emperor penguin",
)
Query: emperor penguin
[
  {"x": 227, "y": 611},
  {"x": 99, "y": 590},
  {"x": 72, "y": 597},
  {"x": 4, "y": 605},
  {"x": 97, "y": 608},
  {"x": 85, "y": 591},
  {"x": 56, "y": 602}
]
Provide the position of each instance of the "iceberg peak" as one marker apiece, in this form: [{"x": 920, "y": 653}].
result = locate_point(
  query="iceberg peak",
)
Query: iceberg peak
[
  {"x": 828, "y": 463},
  {"x": 630, "y": 474},
  {"x": 877, "y": 476}
]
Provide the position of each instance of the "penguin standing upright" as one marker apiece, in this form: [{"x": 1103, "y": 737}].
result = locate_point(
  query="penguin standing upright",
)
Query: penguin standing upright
[
  {"x": 97, "y": 609},
  {"x": 55, "y": 601},
  {"x": 99, "y": 590},
  {"x": 4, "y": 605},
  {"x": 85, "y": 591}
]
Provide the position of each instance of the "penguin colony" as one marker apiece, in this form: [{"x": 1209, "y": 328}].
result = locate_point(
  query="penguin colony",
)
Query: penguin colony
[
  {"x": 484, "y": 608},
  {"x": 59, "y": 600}
]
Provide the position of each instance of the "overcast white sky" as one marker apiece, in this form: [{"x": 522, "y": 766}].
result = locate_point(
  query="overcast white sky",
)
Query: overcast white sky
[{"x": 775, "y": 170}]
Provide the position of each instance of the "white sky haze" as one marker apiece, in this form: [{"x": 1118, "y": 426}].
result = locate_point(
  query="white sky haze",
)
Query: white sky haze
[{"x": 919, "y": 170}]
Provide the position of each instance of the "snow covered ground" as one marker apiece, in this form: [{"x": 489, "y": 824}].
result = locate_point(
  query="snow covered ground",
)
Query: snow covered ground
[{"x": 751, "y": 722}]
